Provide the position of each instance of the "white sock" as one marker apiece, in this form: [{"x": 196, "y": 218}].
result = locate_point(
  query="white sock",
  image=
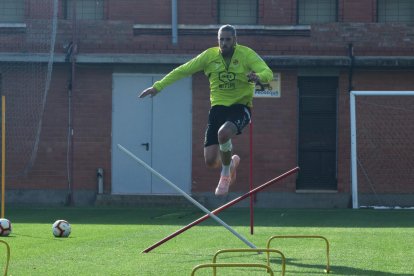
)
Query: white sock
[{"x": 225, "y": 170}]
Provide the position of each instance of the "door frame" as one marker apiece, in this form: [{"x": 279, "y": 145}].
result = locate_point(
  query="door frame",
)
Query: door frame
[{"x": 187, "y": 154}]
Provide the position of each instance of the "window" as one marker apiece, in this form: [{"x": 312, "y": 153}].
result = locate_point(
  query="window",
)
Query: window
[
  {"x": 85, "y": 9},
  {"x": 11, "y": 11},
  {"x": 238, "y": 12},
  {"x": 317, "y": 11},
  {"x": 396, "y": 11}
]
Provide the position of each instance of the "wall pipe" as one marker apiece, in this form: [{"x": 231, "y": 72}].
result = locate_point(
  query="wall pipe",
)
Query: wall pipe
[
  {"x": 351, "y": 66},
  {"x": 174, "y": 22},
  {"x": 71, "y": 56}
]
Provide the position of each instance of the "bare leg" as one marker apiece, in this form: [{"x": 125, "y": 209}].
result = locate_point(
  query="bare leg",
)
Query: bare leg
[
  {"x": 212, "y": 156},
  {"x": 225, "y": 133},
  {"x": 228, "y": 170}
]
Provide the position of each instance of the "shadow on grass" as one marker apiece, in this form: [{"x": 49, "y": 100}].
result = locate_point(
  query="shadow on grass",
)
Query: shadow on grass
[{"x": 340, "y": 270}]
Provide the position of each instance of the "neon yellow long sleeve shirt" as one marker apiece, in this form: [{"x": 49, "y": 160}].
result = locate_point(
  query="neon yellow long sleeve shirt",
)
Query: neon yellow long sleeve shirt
[{"x": 228, "y": 84}]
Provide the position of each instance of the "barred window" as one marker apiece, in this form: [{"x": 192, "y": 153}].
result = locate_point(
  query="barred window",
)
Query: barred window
[
  {"x": 238, "y": 12},
  {"x": 317, "y": 11},
  {"x": 396, "y": 11},
  {"x": 85, "y": 9},
  {"x": 11, "y": 11}
]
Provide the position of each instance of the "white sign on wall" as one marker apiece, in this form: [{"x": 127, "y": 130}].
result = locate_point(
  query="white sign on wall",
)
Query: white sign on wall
[{"x": 269, "y": 90}]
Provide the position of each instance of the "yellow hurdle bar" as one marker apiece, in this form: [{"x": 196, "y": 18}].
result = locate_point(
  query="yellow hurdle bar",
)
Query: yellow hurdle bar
[
  {"x": 8, "y": 256},
  {"x": 232, "y": 265},
  {"x": 258, "y": 250},
  {"x": 327, "y": 270}
]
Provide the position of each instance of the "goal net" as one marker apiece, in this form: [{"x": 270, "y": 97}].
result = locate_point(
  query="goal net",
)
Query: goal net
[
  {"x": 382, "y": 148},
  {"x": 26, "y": 62}
]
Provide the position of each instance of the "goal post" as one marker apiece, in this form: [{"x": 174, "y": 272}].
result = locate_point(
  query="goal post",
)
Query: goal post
[{"x": 394, "y": 119}]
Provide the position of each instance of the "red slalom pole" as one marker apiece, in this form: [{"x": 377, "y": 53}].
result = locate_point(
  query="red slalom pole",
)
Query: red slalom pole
[
  {"x": 251, "y": 179},
  {"x": 221, "y": 208}
]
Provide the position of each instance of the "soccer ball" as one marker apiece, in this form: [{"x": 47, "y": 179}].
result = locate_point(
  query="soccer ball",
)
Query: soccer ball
[
  {"x": 61, "y": 228},
  {"x": 5, "y": 227}
]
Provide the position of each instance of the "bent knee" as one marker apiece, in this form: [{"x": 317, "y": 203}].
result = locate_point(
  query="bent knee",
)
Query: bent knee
[{"x": 211, "y": 163}]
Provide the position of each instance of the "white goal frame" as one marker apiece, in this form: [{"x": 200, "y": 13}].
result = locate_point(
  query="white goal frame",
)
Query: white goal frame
[{"x": 353, "y": 94}]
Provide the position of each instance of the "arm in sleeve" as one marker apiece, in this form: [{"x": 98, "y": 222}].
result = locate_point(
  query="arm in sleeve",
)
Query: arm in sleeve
[
  {"x": 194, "y": 65},
  {"x": 260, "y": 67}
]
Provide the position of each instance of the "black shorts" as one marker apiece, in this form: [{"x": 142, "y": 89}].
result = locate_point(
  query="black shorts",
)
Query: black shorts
[{"x": 238, "y": 114}]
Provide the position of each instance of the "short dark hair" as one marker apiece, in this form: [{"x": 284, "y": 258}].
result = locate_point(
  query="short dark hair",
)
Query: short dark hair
[{"x": 228, "y": 28}]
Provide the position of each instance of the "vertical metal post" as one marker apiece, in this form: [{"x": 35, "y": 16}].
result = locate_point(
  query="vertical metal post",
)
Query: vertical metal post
[
  {"x": 251, "y": 180},
  {"x": 354, "y": 178},
  {"x": 3, "y": 153}
]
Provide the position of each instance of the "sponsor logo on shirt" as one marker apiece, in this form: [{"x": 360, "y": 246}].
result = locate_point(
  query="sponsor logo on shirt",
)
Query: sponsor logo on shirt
[{"x": 227, "y": 79}]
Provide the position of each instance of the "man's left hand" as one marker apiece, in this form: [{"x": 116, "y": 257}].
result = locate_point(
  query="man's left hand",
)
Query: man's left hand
[{"x": 253, "y": 77}]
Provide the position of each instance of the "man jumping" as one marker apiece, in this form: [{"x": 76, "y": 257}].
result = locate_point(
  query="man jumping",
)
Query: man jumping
[{"x": 233, "y": 71}]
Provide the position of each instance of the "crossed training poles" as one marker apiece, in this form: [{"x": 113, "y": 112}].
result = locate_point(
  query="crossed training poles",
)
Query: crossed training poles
[{"x": 196, "y": 203}]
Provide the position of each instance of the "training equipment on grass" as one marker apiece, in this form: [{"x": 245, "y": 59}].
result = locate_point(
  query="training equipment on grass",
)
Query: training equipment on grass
[
  {"x": 258, "y": 250},
  {"x": 268, "y": 250},
  {"x": 6, "y": 267},
  {"x": 189, "y": 198},
  {"x": 269, "y": 270},
  {"x": 5, "y": 227},
  {"x": 61, "y": 229},
  {"x": 214, "y": 266},
  {"x": 327, "y": 270},
  {"x": 234, "y": 201},
  {"x": 382, "y": 152},
  {"x": 251, "y": 177}
]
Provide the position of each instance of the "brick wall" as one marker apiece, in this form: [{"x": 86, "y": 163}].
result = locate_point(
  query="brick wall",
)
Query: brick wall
[
  {"x": 275, "y": 121},
  {"x": 92, "y": 111},
  {"x": 356, "y": 24}
]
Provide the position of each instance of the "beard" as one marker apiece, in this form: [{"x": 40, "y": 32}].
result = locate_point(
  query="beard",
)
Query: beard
[{"x": 227, "y": 51}]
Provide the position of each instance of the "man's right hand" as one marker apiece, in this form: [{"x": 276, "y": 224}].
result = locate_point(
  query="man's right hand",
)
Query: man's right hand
[{"x": 149, "y": 91}]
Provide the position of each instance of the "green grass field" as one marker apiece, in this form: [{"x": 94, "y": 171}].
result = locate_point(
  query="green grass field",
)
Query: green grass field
[{"x": 109, "y": 241}]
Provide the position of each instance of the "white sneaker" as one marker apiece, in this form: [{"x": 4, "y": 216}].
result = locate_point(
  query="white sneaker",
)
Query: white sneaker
[
  {"x": 233, "y": 168},
  {"x": 223, "y": 185}
]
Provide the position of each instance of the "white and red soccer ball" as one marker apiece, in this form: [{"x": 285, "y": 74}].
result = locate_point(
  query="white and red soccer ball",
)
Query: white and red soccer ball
[
  {"x": 5, "y": 227},
  {"x": 61, "y": 228}
]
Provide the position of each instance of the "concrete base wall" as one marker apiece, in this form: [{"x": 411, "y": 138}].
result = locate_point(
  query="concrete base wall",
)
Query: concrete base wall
[
  {"x": 50, "y": 197},
  {"x": 209, "y": 200},
  {"x": 284, "y": 200}
]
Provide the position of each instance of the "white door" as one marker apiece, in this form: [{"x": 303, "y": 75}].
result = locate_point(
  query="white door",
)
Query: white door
[{"x": 157, "y": 130}]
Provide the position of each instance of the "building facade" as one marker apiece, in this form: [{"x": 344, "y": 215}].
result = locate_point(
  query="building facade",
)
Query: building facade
[{"x": 106, "y": 51}]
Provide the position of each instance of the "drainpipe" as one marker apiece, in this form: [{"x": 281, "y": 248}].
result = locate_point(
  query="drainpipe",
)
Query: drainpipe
[
  {"x": 100, "y": 179},
  {"x": 72, "y": 58},
  {"x": 351, "y": 65},
  {"x": 174, "y": 24}
]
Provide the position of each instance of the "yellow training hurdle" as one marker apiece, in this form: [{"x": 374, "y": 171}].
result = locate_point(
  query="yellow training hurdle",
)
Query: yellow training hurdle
[
  {"x": 258, "y": 250},
  {"x": 327, "y": 270},
  {"x": 214, "y": 266},
  {"x": 214, "y": 263},
  {"x": 268, "y": 250},
  {"x": 7, "y": 256}
]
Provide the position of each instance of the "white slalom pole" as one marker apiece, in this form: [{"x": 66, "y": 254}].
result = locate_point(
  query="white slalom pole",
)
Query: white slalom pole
[{"x": 192, "y": 200}]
